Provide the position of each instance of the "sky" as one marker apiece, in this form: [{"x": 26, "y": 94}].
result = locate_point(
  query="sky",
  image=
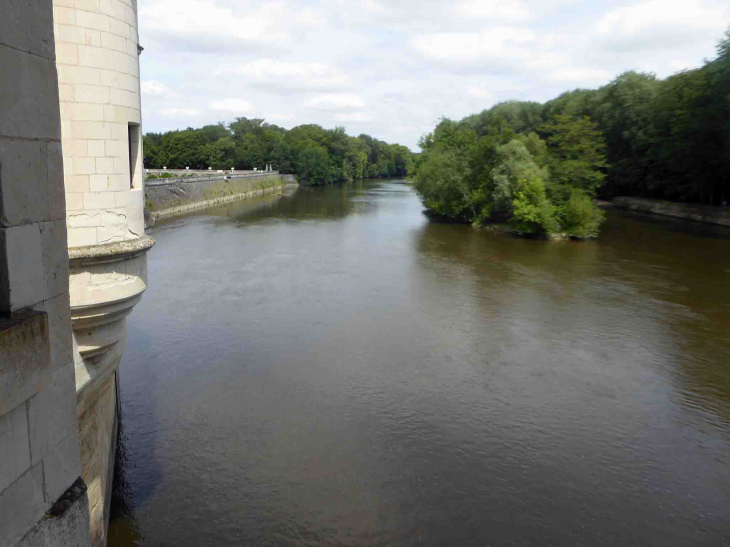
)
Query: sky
[{"x": 392, "y": 69}]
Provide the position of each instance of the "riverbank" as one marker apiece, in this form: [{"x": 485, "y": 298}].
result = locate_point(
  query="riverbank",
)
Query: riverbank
[
  {"x": 164, "y": 199},
  {"x": 686, "y": 211}
]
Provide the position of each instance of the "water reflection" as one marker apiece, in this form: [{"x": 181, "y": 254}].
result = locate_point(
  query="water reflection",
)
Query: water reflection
[{"x": 331, "y": 368}]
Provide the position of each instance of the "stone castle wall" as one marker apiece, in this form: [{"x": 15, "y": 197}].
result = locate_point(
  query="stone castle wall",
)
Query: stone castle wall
[
  {"x": 97, "y": 57},
  {"x": 42, "y": 499}
]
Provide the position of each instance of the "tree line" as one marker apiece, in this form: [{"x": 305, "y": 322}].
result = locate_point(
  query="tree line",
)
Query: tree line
[
  {"x": 540, "y": 166},
  {"x": 317, "y": 156}
]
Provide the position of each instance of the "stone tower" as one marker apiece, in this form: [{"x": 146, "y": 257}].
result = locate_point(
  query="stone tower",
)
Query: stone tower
[{"x": 97, "y": 57}]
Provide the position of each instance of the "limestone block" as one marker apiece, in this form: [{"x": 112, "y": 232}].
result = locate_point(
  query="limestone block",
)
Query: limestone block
[
  {"x": 81, "y": 237},
  {"x": 75, "y": 147},
  {"x": 74, "y": 201},
  {"x": 71, "y": 34},
  {"x": 99, "y": 200},
  {"x": 54, "y": 167},
  {"x": 121, "y": 199},
  {"x": 52, "y": 415},
  {"x": 115, "y": 148},
  {"x": 120, "y": 97},
  {"x": 92, "y": 94},
  {"x": 59, "y": 324},
  {"x": 111, "y": 234},
  {"x": 121, "y": 165},
  {"x": 119, "y": 131},
  {"x": 117, "y": 183},
  {"x": 28, "y": 26},
  {"x": 77, "y": 184},
  {"x": 25, "y": 359},
  {"x": 22, "y": 505},
  {"x": 55, "y": 257},
  {"x": 31, "y": 115},
  {"x": 22, "y": 182},
  {"x": 84, "y": 218},
  {"x": 62, "y": 465},
  {"x": 87, "y": 5},
  {"x": 96, "y": 148},
  {"x": 135, "y": 212},
  {"x": 99, "y": 183},
  {"x": 87, "y": 112},
  {"x": 78, "y": 75},
  {"x": 67, "y": 54},
  {"x": 105, "y": 166},
  {"x": 93, "y": 37},
  {"x": 113, "y": 42},
  {"x": 95, "y": 57},
  {"x": 22, "y": 248},
  {"x": 120, "y": 28},
  {"x": 111, "y": 217},
  {"x": 14, "y": 446},
  {"x": 64, "y": 15},
  {"x": 132, "y": 50},
  {"x": 66, "y": 92},
  {"x": 96, "y": 21},
  {"x": 92, "y": 130},
  {"x": 84, "y": 166},
  {"x": 125, "y": 64}
]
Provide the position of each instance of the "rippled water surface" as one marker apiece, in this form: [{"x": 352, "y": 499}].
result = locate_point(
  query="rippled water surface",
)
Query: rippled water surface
[{"x": 331, "y": 368}]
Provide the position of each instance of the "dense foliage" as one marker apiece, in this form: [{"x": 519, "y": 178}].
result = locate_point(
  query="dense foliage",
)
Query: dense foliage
[
  {"x": 540, "y": 166},
  {"x": 315, "y": 155}
]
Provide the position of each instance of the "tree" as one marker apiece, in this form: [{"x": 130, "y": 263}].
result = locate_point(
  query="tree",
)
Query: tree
[{"x": 576, "y": 153}]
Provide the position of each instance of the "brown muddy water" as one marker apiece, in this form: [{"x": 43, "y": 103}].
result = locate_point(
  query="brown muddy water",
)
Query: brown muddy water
[{"x": 331, "y": 368}]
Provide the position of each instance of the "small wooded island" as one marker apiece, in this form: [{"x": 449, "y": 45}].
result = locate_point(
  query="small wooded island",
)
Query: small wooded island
[{"x": 539, "y": 167}]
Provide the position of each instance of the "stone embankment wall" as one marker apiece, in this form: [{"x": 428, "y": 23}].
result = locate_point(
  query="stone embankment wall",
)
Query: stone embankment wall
[
  {"x": 169, "y": 197},
  {"x": 687, "y": 211}
]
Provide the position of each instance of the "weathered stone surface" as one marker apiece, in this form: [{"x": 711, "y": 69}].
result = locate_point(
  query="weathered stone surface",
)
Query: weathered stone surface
[
  {"x": 167, "y": 199},
  {"x": 30, "y": 115},
  {"x": 52, "y": 414},
  {"x": 22, "y": 505},
  {"x": 27, "y": 26},
  {"x": 66, "y": 523},
  {"x": 21, "y": 253},
  {"x": 23, "y": 174},
  {"x": 687, "y": 211},
  {"x": 14, "y": 451},
  {"x": 25, "y": 359}
]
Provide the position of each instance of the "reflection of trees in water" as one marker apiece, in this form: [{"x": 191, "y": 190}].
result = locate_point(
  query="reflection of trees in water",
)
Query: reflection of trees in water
[
  {"x": 322, "y": 203},
  {"x": 123, "y": 526},
  {"x": 671, "y": 275}
]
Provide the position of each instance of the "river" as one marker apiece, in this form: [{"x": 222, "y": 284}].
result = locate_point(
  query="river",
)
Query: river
[{"x": 331, "y": 368}]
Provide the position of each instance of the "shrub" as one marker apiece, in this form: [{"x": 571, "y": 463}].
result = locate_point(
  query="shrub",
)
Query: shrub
[
  {"x": 532, "y": 213},
  {"x": 581, "y": 217}
]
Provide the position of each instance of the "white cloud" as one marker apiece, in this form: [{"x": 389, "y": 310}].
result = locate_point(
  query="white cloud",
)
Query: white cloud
[
  {"x": 477, "y": 92},
  {"x": 500, "y": 43},
  {"x": 356, "y": 117},
  {"x": 277, "y": 118},
  {"x": 154, "y": 88},
  {"x": 283, "y": 74},
  {"x": 232, "y": 106},
  {"x": 663, "y": 19},
  {"x": 335, "y": 101},
  {"x": 180, "y": 112},
  {"x": 504, "y": 10}
]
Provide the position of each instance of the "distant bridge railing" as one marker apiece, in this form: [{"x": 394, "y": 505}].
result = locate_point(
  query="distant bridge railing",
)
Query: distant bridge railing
[{"x": 161, "y": 177}]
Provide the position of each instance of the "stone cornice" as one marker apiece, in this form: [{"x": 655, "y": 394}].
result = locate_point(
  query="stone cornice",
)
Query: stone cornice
[{"x": 110, "y": 252}]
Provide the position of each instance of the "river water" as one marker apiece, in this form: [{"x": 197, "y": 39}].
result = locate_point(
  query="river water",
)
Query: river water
[{"x": 331, "y": 368}]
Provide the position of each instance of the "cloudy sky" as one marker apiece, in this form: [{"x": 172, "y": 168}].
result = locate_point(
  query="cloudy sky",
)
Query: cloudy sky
[{"x": 392, "y": 68}]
